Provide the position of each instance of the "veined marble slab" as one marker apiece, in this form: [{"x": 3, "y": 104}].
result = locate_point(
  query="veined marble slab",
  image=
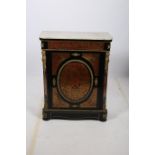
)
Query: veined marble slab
[{"x": 76, "y": 35}]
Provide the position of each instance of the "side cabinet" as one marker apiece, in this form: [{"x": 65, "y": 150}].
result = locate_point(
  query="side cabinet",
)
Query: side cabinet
[{"x": 75, "y": 67}]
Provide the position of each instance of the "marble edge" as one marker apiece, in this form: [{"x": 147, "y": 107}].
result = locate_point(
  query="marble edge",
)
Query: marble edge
[{"x": 75, "y": 35}]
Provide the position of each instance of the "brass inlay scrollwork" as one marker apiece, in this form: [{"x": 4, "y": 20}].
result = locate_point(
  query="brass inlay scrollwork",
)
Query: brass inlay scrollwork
[
  {"x": 44, "y": 60},
  {"x": 45, "y": 80},
  {"x": 54, "y": 81},
  {"x": 106, "y": 60},
  {"x": 75, "y": 81}
]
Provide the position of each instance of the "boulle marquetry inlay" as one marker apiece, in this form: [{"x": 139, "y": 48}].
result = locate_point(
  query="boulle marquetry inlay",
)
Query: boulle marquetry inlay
[{"x": 75, "y": 81}]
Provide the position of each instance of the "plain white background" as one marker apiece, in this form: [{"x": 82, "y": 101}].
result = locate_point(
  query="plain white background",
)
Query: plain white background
[
  {"x": 78, "y": 137},
  {"x": 79, "y": 15},
  {"x": 142, "y": 114}
]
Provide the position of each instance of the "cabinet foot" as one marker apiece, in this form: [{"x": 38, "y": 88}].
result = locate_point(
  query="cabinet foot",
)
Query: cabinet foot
[
  {"x": 46, "y": 116},
  {"x": 103, "y": 116}
]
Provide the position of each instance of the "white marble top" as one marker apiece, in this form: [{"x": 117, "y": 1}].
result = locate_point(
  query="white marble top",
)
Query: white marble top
[{"x": 76, "y": 35}]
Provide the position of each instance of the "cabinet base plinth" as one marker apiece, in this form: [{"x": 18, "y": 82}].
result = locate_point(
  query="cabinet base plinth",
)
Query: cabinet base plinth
[{"x": 74, "y": 114}]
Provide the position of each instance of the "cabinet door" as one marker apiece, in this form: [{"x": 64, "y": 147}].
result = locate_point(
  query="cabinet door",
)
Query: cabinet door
[{"x": 73, "y": 79}]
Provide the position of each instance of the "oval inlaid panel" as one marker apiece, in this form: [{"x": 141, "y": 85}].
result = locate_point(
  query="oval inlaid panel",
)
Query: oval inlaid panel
[{"x": 75, "y": 81}]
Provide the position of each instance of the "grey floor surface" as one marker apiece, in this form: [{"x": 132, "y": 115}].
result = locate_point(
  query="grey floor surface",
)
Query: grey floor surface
[{"x": 86, "y": 137}]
